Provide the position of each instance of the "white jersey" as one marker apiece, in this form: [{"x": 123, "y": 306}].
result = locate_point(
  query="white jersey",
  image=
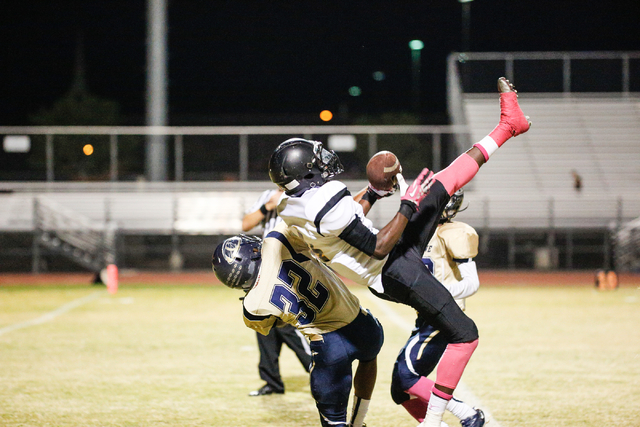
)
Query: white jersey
[
  {"x": 271, "y": 219},
  {"x": 320, "y": 215},
  {"x": 295, "y": 287},
  {"x": 449, "y": 256}
]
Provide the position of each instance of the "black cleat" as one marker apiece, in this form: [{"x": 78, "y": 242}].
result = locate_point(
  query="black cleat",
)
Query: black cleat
[
  {"x": 476, "y": 420},
  {"x": 265, "y": 390}
]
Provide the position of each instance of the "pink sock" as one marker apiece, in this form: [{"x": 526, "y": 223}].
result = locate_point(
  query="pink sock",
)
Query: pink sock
[
  {"x": 458, "y": 173},
  {"x": 441, "y": 394},
  {"x": 453, "y": 362},
  {"x": 416, "y": 408},
  {"x": 422, "y": 389}
]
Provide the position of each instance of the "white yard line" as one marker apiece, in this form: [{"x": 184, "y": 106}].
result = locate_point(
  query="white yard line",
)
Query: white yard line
[
  {"x": 462, "y": 391},
  {"x": 52, "y": 314}
]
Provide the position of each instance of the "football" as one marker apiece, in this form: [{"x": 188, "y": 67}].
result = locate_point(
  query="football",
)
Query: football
[{"x": 382, "y": 169}]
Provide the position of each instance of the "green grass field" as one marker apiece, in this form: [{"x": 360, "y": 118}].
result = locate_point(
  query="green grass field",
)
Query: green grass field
[{"x": 181, "y": 356}]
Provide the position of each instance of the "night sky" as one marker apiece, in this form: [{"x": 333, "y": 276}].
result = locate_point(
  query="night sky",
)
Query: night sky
[{"x": 280, "y": 58}]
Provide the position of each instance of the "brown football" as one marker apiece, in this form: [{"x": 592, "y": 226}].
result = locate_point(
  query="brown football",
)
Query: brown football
[{"x": 382, "y": 169}]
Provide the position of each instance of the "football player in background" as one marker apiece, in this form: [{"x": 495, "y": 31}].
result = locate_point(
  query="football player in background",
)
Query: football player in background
[
  {"x": 389, "y": 261},
  {"x": 263, "y": 212},
  {"x": 449, "y": 256},
  {"x": 286, "y": 283}
]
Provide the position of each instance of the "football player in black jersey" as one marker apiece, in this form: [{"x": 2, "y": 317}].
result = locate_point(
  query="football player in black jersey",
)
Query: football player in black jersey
[{"x": 449, "y": 256}]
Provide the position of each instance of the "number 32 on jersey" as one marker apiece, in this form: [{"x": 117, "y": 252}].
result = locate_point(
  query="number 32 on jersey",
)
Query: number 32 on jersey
[{"x": 314, "y": 294}]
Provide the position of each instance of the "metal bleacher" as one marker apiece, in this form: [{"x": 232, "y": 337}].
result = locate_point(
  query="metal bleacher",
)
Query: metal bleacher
[
  {"x": 150, "y": 208},
  {"x": 530, "y": 183}
]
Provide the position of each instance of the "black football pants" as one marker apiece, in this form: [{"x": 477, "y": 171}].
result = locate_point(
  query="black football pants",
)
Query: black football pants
[{"x": 407, "y": 280}]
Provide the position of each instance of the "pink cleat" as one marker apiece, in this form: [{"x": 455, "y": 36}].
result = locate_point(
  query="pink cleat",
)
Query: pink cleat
[
  {"x": 512, "y": 123},
  {"x": 512, "y": 119}
]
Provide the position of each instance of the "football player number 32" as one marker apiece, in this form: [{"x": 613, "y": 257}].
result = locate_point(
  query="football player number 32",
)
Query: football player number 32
[{"x": 315, "y": 294}]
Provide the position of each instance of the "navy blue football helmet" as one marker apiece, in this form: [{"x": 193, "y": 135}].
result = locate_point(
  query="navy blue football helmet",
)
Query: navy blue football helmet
[
  {"x": 299, "y": 164},
  {"x": 453, "y": 206},
  {"x": 236, "y": 261}
]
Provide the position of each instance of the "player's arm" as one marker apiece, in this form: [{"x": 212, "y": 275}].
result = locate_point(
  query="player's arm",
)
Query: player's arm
[
  {"x": 380, "y": 245},
  {"x": 470, "y": 282},
  {"x": 369, "y": 195},
  {"x": 358, "y": 196},
  {"x": 254, "y": 218},
  {"x": 462, "y": 245},
  {"x": 375, "y": 245},
  {"x": 358, "y": 235},
  {"x": 389, "y": 235},
  {"x": 365, "y": 198}
]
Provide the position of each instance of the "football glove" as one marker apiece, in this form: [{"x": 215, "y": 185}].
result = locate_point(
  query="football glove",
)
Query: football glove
[
  {"x": 419, "y": 189},
  {"x": 402, "y": 184},
  {"x": 379, "y": 194}
]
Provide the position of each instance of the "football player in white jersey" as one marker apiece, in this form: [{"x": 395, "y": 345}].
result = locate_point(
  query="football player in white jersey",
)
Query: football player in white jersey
[
  {"x": 389, "y": 261},
  {"x": 449, "y": 256},
  {"x": 263, "y": 212},
  {"x": 286, "y": 283}
]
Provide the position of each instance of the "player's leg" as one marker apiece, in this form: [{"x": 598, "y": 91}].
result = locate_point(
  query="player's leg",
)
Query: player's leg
[
  {"x": 364, "y": 382},
  {"x": 418, "y": 405},
  {"x": 268, "y": 367},
  {"x": 512, "y": 123},
  {"x": 330, "y": 379},
  {"x": 408, "y": 281},
  {"x": 410, "y": 386},
  {"x": 463, "y": 336},
  {"x": 331, "y": 375},
  {"x": 365, "y": 337},
  {"x": 298, "y": 343},
  {"x": 467, "y": 415},
  {"x": 417, "y": 359},
  {"x": 365, "y": 378}
]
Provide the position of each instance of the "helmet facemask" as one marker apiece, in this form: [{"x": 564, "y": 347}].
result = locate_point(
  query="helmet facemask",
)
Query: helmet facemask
[
  {"x": 327, "y": 161},
  {"x": 453, "y": 206}
]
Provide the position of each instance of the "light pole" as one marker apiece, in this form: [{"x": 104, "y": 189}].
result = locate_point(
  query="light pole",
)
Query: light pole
[
  {"x": 416, "y": 46},
  {"x": 156, "y": 147},
  {"x": 466, "y": 24}
]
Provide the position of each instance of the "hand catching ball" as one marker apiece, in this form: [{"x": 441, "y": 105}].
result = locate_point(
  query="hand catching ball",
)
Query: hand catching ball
[{"x": 382, "y": 170}]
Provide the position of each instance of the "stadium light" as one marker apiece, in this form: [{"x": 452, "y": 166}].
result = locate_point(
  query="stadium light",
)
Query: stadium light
[
  {"x": 326, "y": 115},
  {"x": 16, "y": 143},
  {"x": 379, "y": 76},
  {"x": 416, "y": 46}
]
